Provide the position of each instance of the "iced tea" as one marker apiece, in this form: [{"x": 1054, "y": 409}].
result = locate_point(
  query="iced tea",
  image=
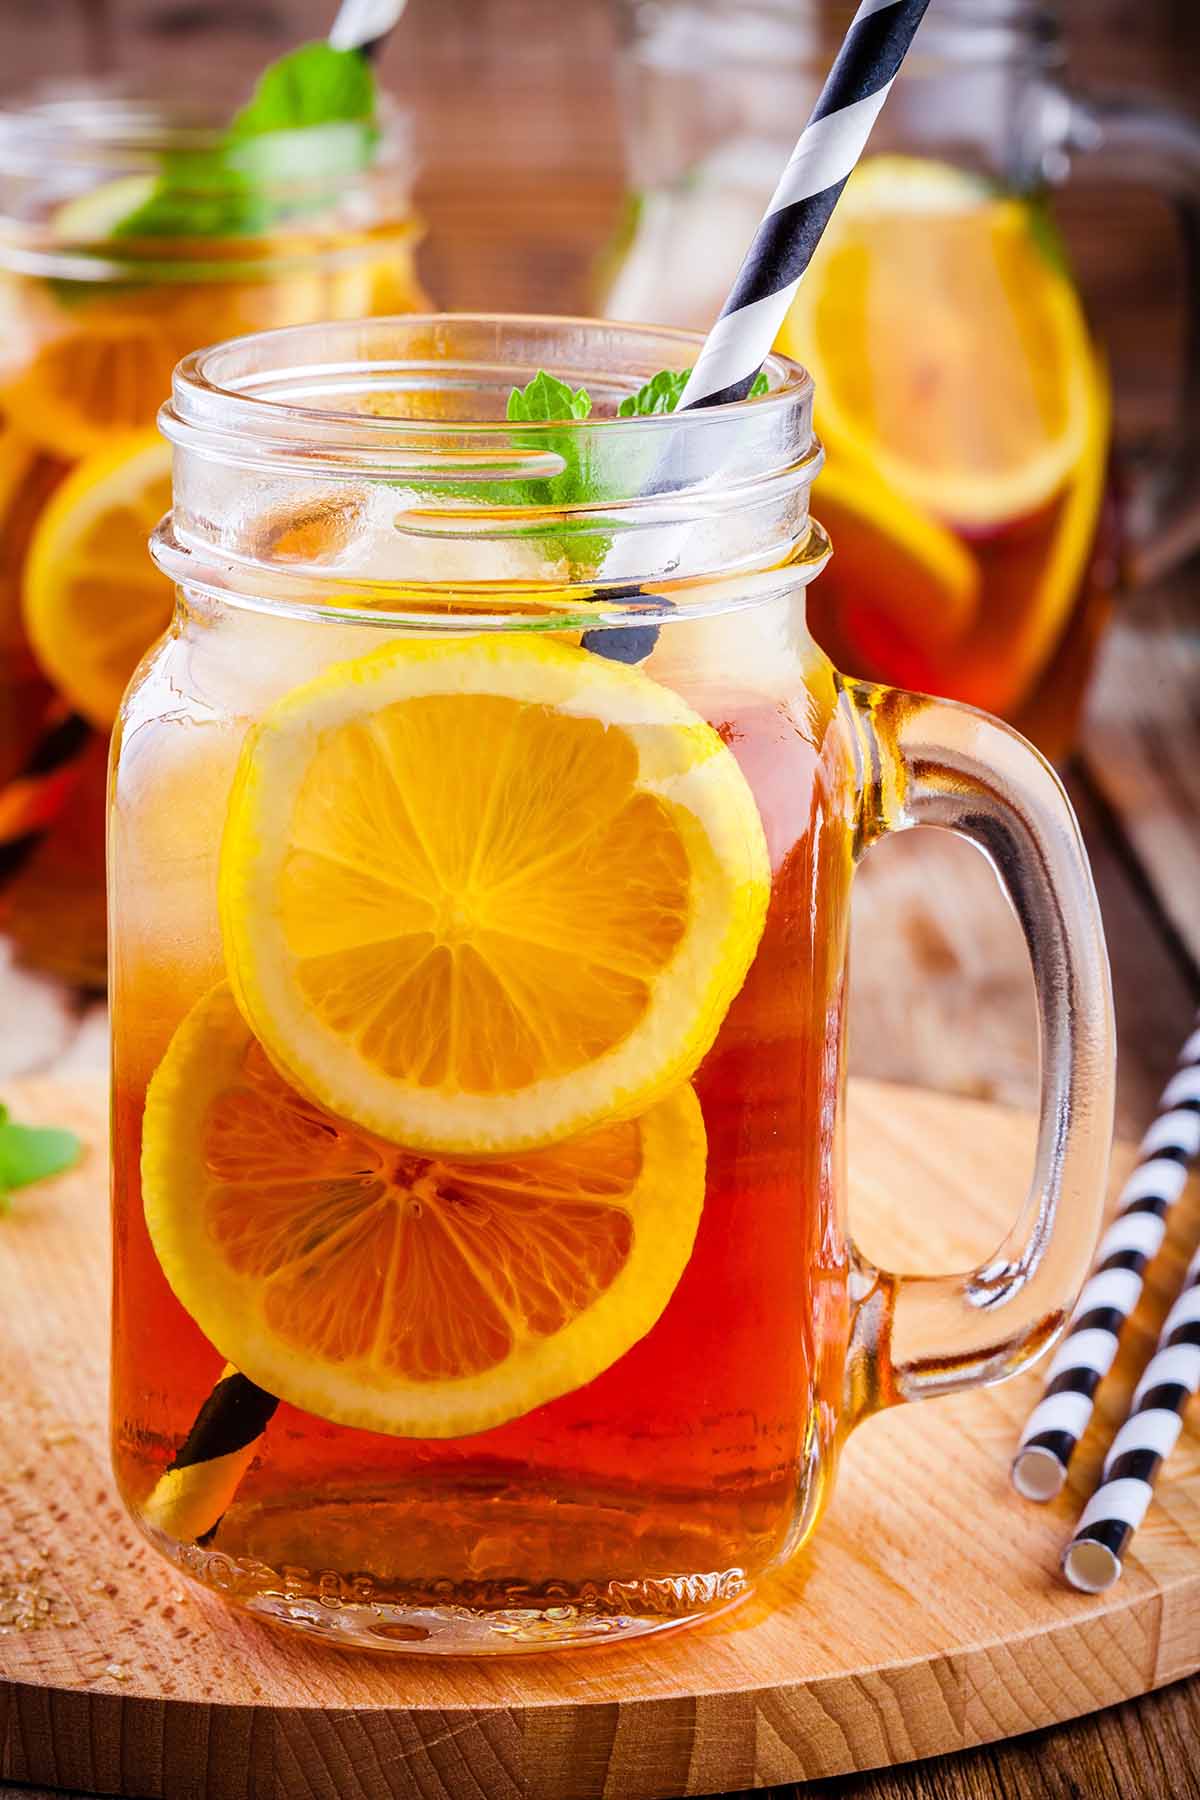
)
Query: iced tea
[
  {"x": 965, "y": 415},
  {"x": 480, "y": 852}
]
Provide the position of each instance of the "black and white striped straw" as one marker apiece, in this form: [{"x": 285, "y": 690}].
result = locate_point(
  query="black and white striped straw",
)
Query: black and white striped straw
[
  {"x": 191, "y": 1495},
  {"x": 365, "y": 25},
  {"x": 1092, "y": 1560},
  {"x": 808, "y": 190},
  {"x": 1115, "y": 1286}
]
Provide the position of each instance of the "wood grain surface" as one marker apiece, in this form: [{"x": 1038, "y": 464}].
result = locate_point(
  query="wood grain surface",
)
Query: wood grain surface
[
  {"x": 926, "y": 1615},
  {"x": 519, "y": 134}
]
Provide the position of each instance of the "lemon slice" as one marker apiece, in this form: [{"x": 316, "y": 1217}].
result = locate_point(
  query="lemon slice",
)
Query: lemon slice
[
  {"x": 105, "y": 374},
  {"x": 425, "y": 1296},
  {"x": 478, "y": 894},
  {"x": 101, "y": 366},
  {"x": 91, "y": 217},
  {"x": 948, "y": 346},
  {"x": 93, "y": 600},
  {"x": 1031, "y": 641}
]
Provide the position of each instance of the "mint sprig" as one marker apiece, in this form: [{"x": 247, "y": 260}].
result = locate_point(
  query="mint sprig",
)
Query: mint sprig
[
  {"x": 593, "y": 471},
  {"x": 312, "y": 85},
  {"x": 32, "y": 1153},
  {"x": 662, "y": 394},
  {"x": 310, "y": 122},
  {"x": 546, "y": 400},
  {"x": 543, "y": 401}
]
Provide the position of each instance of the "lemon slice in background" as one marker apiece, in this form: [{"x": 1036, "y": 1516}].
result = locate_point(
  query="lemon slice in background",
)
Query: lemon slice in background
[
  {"x": 425, "y": 1296},
  {"x": 1004, "y": 655},
  {"x": 949, "y": 349},
  {"x": 92, "y": 217},
  {"x": 93, "y": 600},
  {"x": 890, "y": 560},
  {"x": 481, "y": 894},
  {"x": 105, "y": 372}
]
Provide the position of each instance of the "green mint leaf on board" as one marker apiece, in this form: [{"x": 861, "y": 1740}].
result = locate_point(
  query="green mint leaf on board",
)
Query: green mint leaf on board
[
  {"x": 310, "y": 121},
  {"x": 31, "y": 1153}
]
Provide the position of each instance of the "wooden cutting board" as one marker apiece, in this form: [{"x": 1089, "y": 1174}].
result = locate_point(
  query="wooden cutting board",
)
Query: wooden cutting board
[{"x": 926, "y": 1616}]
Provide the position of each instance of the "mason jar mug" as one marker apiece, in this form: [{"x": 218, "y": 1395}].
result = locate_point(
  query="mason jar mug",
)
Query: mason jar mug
[{"x": 482, "y": 837}]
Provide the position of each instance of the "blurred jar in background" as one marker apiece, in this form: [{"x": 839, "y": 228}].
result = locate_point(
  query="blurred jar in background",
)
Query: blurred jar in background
[
  {"x": 125, "y": 243},
  {"x": 963, "y": 403}
]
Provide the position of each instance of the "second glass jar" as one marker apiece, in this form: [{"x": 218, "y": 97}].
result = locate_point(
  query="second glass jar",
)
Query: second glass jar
[{"x": 101, "y": 297}]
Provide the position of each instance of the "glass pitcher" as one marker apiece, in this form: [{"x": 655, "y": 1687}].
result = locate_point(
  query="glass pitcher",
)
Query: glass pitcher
[{"x": 963, "y": 403}]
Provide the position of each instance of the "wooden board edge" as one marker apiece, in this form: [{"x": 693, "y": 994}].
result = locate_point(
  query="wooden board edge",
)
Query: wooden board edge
[{"x": 642, "y": 1748}]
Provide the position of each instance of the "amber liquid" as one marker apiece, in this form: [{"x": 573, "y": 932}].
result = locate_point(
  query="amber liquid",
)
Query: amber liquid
[
  {"x": 52, "y": 903},
  {"x": 666, "y": 1485},
  {"x": 52, "y": 775},
  {"x": 965, "y": 412},
  {"x": 1016, "y": 659}
]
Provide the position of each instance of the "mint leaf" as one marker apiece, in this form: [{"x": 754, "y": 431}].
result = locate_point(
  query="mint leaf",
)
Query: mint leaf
[
  {"x": 542, "y": 401},
  {"x": 662, "y": 394},
  {"x": 314, "y": 85},
  {"x": 659, "y": 395},
  {"x": 198, "y": 194},
  {"x": 31, "y": 1153},
  {"x": 546, "y": 398},
  {"x": 310, "y": 122}
]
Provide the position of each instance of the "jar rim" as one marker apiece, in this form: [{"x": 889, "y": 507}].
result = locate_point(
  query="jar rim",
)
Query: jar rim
[
  {"x": 121, "y": 122},
  {"x": 61, "y": 142},
  {"x": 218, "y": 396},
  {"x": 581, "y": 608},
  {"x": 685, "y": 33},
  {"x": 704, "y": 508}
]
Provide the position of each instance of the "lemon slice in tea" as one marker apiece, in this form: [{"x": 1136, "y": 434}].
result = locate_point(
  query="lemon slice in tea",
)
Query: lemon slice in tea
[
  {"x": 480, "y": 893},
  {"x": 393, "y": 1290}
]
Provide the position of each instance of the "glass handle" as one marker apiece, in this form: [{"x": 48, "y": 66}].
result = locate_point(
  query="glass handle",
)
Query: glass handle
[
  {"x": 1155, "y": 145},
  {"x": 933, "y": 762}
]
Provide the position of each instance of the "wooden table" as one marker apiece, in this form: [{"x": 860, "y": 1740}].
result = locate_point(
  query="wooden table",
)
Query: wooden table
[{"x": 519, "y": 136}]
